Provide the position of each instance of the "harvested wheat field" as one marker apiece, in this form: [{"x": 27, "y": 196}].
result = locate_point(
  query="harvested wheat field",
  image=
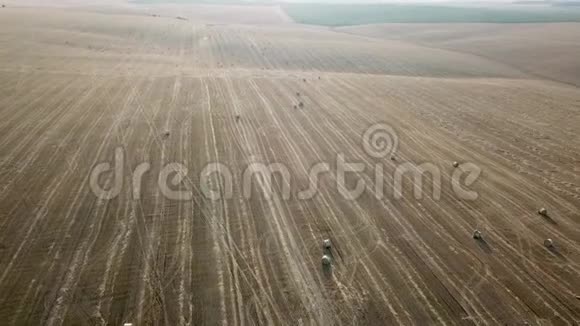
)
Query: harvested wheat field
[
  {"x": 541, "y": 50},
  {"x": 182, "y": 107}
]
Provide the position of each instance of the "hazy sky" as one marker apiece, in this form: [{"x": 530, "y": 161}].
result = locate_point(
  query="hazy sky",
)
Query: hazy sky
[{"x": 398, "y": 1}]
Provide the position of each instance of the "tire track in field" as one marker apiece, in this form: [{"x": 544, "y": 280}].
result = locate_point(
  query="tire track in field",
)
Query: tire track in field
[
  {"x": 358, "y": 210},
  {"x": 149, "y": 235},
  {"x": 292, "y": 250},
  {"x": 249, "y": 146},
  {"x": 215, "y": 211},
  {"x": 353, "y": 149},
  {"x": 61, "y": 307},
  {"x": 235, "y": 135},
  {"x": 347, "y": 125},
  {"x": 55, "y": 185},
  {"x": 229, "y": 242},
  {"x": 108, "y": 135},
  {"x": 230, "y": 246},
  {"x": 44, "y": 206},
  {"x": 61, "y": 303}
]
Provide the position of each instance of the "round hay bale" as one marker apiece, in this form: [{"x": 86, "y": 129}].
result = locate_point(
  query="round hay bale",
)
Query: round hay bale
[
  {"x": 326, "y": 244},
  {"x": 542, "y": 211},
  {"x": 549, "y": 243},
  {"x": 477, "y": 235},
  {"x": 326, "y": 260},
  {"x": 455, "y": 164}
]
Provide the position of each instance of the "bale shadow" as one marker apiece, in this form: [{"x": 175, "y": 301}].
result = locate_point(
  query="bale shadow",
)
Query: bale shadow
[
  {"x": 328, "y": 251},
  {"x": 549, "y": 219},
  {"x": 327, "y": 269},
  {"x": 556, "y": 252},
  {"x": 484, "y": 246}
]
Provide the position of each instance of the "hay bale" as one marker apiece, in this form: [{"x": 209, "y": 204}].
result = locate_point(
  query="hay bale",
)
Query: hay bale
[
  {"x": 477, "y": 235},
  {"x": 301, "y": 105},
  {"x": 549, "y": 243},
  {"x": 326, "y": 244},
  {"x": 542, "y": 211},
  {"x": 326, "y": 260},
  {"x": 455, "y": 164}
]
